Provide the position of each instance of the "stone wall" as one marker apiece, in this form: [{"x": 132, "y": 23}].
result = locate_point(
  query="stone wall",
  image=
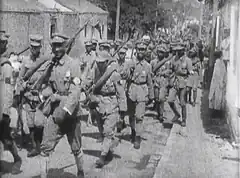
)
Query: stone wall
[{"x": 20, "y": 25}]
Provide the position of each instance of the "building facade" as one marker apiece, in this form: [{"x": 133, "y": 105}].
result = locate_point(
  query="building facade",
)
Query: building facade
[
  {"x": 23, "y": 18},
  {"x": 229, "y": 17}
]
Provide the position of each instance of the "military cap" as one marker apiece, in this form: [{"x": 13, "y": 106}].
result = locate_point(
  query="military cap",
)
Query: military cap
[
  {"x": 35, "y": 40},
  {"x": 141, "y": 44},
  {"x": 88, "y": 43},
  {"x": 161, "y": 48},
  {"x": 59, "y": 38},
  {"x": 123, "y": 49},
  {"x": 94, "y": 41},
  {"x": 104, "y": 43},
  {"x": 146, "y": 37},
  {"x": 103, "y": 56},
  {"x": 178, "y": 47},
  {"x": 118, "y": 42}
]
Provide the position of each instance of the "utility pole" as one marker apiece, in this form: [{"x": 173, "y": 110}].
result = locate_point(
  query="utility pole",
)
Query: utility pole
[
  {"x": 201, "y": 21},
  {"x": 117, "y": 20}
]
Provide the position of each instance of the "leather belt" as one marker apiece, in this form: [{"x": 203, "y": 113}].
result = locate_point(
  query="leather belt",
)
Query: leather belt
[{"x": 139, "y": 83}]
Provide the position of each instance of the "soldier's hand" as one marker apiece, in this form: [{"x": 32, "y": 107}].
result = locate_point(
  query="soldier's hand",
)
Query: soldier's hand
[
  {"x": 55, "y": 97},
  {"x": 59, "y": 115}
]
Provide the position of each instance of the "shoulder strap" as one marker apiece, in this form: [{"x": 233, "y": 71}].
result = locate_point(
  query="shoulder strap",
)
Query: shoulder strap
[{"x": 103, "y": 79}]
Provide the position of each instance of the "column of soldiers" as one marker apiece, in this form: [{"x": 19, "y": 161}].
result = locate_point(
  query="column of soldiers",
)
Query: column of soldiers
[{"x": 49, "y": 90}]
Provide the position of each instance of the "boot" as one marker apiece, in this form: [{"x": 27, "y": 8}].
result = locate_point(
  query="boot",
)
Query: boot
[
  {"x": 190, "y": 96},
  {"x": 184, "y": 116},
  {"x": 161, "y": 110},
  {"x": 101, "y": 161},
  {"x": 33, "y": 152},
  {"x": 17, "y": 160},
  {"x": 137, "y": 142},
  {"x": 174, "y": 109},
  {"x": 79, "y": 163},
  {"x": 100, "y": 138},
  {"x": 194, "y": 98},
  {"x": 133, "y": 135}
]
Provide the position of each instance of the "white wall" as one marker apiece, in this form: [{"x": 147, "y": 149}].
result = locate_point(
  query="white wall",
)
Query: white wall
[{"x": 233, "y": 80}]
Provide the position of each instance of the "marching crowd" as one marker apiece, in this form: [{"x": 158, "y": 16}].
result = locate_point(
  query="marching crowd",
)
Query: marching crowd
[{"x": 111, "y": 79}]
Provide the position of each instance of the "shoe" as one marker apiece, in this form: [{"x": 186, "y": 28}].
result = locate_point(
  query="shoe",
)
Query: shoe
[
  {"x": 100, "y": 139},
  {"x": 16, "y": 167},
  {"x": 34, "y": 152},
  {"x": 160, "y": 118},
  {"x": 80, "y": 174},
  {"x": 133, "y": 136},
  {"x": 175, "y": 118},
  {"x": 183, "y": 123},
  {"x": 137, "y": 143},
  {"x": 100, "y": 162},
  {"x": 193, "y": 104}
]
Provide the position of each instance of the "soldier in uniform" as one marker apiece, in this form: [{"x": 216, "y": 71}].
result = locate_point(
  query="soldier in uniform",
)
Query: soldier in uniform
[
  {"x": 104, "y": 46},
  {"x": 138, "y": 73},
  {"x": 193, "y": 80},
  {"x": 64, "y": 117},
  {"x": 181, "y": 65},
  {"x": 161, "y": 74},
  {"x": 31, "y": 100},
  {"x": 111, "y": 103},
  {"x": 6, "y": 77},
  {"x": 94, "y": 44}
]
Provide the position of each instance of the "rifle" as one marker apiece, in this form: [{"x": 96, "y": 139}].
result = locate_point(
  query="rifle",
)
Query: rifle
[
  {"x": 19, "y": 53},
  {"x": 161, "y": 63},
  {"x": 101, "y": 81},
  {"x": 72, "y": 40}
]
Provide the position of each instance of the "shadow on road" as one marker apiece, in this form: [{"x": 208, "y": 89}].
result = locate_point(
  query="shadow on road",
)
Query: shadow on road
[
  {"x": 94, "y": 135},
  {"x": 58, "y": 173},
  {"x": 97, "y": 153},
  {"x": 214, "y": 122},
  {"x": 6, "y": 167}
]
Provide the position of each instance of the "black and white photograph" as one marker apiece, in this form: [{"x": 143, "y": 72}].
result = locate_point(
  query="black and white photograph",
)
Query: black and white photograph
[{"x": 119, "y": 89}]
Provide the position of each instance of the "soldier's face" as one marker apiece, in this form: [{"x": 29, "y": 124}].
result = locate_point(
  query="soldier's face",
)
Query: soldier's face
[
  {"x": 160, "y": 54},
  {"x": 58, "y": 50},
  {"x": 166, "y": 54},
  {"x": 35, "y": 50},
  {"x": 88, "y": 48},
  {"x": 141, "y": 52},
  {"x": 121, "y": 56},
  {"x": 94, "y": 47}
]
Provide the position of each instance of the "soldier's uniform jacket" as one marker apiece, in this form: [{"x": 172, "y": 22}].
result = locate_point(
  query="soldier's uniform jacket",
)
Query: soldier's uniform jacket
[
  {"x": 140, "y": 75},
  {"x": 6, "y": 78},
  {"x": 161, "y": 76},
  {"x": 112, "y": 96},
  {"x": 65, "y": 81},
  {"x": 181, "y": 68}
]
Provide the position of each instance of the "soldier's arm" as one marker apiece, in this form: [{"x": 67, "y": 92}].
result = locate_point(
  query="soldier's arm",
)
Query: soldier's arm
[
  {"x": 121, "y": 96},
  {"x": 150, "y": 83},
  {"x": 127, "y": 70}
]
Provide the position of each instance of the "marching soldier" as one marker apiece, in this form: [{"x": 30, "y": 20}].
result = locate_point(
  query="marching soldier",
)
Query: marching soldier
[
  {"x": 193, "y": 80},
  {"x": 182, "y": 68},
  {"x": 140, "y": 90},
  {"x": 104, "y": 46},
  {"x": 64, "y": 113},
  {"x": 111, "y": 100},
  {"x": 6, "y": 79},
  {"x": 161, "y": 74},
  {"x": 121, "y": 63},
  {"x": 31, "y": 101},
  {"x": 87, "y": 59},
  {"x": 94, "y": 44}
]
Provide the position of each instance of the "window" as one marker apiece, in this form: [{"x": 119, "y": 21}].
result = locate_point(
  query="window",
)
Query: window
[{"x": 53, "y": 28}]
